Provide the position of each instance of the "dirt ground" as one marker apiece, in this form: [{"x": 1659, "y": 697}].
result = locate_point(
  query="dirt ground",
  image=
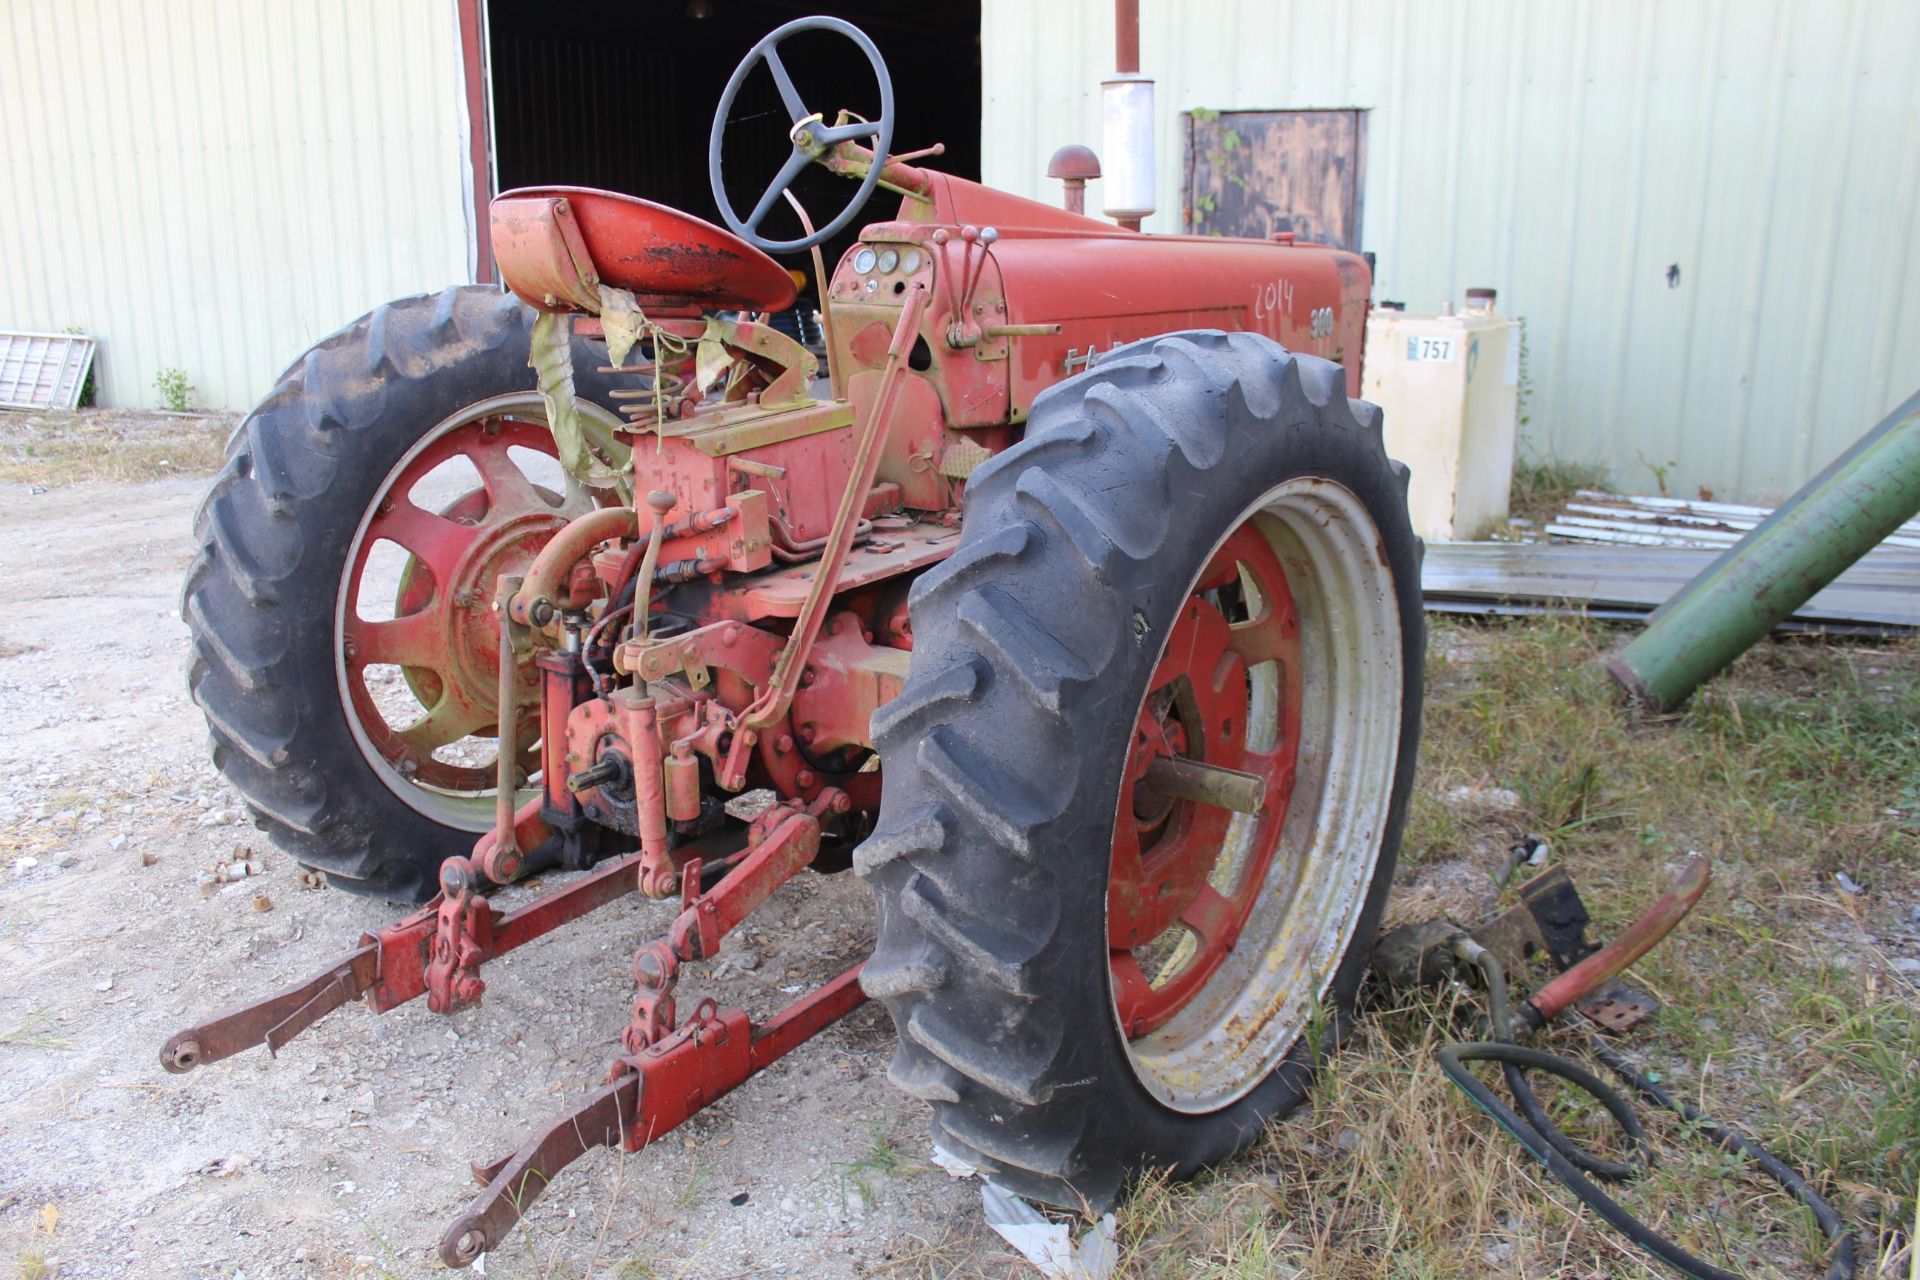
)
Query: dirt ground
[{"x": 346, "y": 1156}]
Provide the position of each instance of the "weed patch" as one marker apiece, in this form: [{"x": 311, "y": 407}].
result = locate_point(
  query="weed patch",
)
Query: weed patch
[{"x": 120, "y": 446}]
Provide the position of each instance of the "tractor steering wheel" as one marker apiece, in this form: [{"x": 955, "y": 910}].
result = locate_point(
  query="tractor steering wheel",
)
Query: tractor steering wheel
[{"x": 810, "y": 137}]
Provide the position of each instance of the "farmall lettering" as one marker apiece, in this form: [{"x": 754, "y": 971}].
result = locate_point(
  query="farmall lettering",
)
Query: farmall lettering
[{"x": 1076, "y": 359}]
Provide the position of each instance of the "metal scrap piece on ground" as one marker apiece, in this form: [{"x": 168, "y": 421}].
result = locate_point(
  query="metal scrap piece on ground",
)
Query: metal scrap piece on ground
[
  {"x": 44, "y": 370},
  {"x": 1640, "y": 521},
  {"x": 1879, "y": 594}
]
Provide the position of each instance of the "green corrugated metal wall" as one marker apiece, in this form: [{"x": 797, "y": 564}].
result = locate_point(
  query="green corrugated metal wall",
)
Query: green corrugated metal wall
[
  {"x": 1568, "y": 154},
  {"x": 213, "y": 185}
]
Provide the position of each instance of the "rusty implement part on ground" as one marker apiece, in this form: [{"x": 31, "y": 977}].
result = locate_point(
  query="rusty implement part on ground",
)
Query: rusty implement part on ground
[
  {"x": 1606, "y": 964},
  {"x": 388, "y": 969},
  {"x": 653, "y": 1092},
  {"x": 1550, "y": 920}
]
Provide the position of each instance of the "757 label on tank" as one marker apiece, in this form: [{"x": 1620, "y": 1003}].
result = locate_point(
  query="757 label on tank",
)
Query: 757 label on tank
[{"x": 1433, "y": 350}]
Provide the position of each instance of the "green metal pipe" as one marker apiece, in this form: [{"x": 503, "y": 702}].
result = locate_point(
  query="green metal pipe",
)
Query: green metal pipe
[{"x": 1837, "y": 517}]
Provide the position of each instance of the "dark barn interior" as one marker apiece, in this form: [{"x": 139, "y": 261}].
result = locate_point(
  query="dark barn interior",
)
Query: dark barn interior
[{"x": 617, "y": 95}]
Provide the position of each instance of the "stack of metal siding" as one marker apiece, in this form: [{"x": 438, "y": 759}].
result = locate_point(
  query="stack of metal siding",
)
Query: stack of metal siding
[
  {"x": 1612, "y": 519},
  {"x": 1619, "y": 558}
]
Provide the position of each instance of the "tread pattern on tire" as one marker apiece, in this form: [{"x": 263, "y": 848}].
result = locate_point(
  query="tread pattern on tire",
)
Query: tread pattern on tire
[
  {"x": 272, "y": 535},
  {"x": 1022, "y": 640}
]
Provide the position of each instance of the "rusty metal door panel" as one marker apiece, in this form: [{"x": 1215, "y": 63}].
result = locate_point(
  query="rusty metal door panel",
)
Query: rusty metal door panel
[{"x": 1257, "y": 173}]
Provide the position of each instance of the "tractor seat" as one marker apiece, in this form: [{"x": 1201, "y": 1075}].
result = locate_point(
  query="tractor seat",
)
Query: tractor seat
[{"x": 553, "y": 244}]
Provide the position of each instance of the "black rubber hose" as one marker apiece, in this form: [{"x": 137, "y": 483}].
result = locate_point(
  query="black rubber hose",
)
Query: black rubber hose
[
  {"x": 1565, "y": 1160},
  {"x": 1823, "y": 1213},
  {"x": 1513, "y": 1069}
]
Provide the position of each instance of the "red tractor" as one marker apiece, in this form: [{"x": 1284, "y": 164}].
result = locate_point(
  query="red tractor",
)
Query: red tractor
[{"x": 1074, "y": 605}]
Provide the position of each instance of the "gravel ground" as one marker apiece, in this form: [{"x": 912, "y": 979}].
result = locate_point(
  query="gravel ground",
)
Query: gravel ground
[{"x": 346, "y": 1156}]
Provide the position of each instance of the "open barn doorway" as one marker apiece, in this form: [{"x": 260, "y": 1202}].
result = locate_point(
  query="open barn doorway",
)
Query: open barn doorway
[{"x": 620, "y": 94}]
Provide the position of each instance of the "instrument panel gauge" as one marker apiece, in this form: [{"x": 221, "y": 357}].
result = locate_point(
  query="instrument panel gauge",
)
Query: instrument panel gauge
[
  {"x": 863, "y": 259},
  {"x": 889, "y": 259},
  {"x": 910, "y": 261}
]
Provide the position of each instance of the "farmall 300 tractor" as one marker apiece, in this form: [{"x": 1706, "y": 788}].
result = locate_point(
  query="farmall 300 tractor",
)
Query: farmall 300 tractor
[{"x": 1074, "y": 605}]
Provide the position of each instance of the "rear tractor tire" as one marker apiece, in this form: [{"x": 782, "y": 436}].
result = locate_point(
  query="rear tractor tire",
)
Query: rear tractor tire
[
  {"x": 1146, "y": 781},
  {"x": 344, "y": 649}
]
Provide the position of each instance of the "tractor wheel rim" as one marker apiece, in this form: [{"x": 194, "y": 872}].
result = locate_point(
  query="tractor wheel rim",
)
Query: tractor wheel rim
[
  {"x": 1225, "y": 929},
  {"x": 443, "y": 633}
]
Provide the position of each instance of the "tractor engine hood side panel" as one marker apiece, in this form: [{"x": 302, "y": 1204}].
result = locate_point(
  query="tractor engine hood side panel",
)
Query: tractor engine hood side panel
[{"x": 1109, "y": 290}]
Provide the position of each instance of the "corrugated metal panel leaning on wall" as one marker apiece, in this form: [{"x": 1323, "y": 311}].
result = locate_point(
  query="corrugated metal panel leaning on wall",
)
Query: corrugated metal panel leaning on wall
[
  {"x": 1568, "y": 153},
  {"x": 212, "y": 185}
]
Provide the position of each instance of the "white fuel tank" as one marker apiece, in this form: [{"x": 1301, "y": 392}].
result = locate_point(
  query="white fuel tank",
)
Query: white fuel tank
[{"x": 1449, "y": 385}]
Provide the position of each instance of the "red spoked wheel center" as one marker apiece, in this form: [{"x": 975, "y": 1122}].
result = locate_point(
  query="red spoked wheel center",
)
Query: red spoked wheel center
[
  {"x": 1207, "y": 782},
  {"x": 453, "y": 542}
]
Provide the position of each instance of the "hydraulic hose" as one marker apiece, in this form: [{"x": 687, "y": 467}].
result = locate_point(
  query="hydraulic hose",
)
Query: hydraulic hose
[{"x": 1566, "y": 1161}]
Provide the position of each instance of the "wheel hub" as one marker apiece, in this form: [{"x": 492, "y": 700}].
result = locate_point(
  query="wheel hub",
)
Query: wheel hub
[
  {"x": 444, "y": 635},
  {"x": 1179, "y": 888},
  {"x": 465, "y": 613}
]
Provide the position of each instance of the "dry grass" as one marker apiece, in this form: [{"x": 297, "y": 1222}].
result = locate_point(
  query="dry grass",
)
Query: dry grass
[
  {"x": 1782, "y": 1015},
  {"x": 122, "y": 446},
  {"x": 1541, "y": 486}
]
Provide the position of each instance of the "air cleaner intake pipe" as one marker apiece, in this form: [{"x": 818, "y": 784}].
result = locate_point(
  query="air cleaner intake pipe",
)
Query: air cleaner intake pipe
[{"x": 533, "y": 605}]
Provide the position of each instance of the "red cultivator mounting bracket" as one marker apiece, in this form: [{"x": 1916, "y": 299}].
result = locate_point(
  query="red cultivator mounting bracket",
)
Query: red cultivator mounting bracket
[
  {"x": 665, "y": 1074},
  {"x": 463, "y": 930},
  {"x": 393, "y": 966},
  {"x": 652, "y": 1093}
]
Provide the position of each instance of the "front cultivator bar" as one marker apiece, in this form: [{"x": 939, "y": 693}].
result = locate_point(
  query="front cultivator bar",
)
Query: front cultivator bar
[
  {"x": 396, "y": 965},
  {"x": 1090, "y": 640},
  {"x": 652, "y": 1092},
  {"x": 666, "y": 1071}
]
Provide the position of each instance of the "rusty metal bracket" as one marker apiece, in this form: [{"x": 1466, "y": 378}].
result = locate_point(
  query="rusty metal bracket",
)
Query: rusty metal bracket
[
  {"x": 463, "y": 930},
  {"x": 1549, "y": 920},
  {"x": 388, "y": 969},
  {"x": 770, "y": 707},
  {"x": 650, "y": 1094},
  {"x": 1617, "y": 1006},
  {"x": 745, "y": 650}
]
